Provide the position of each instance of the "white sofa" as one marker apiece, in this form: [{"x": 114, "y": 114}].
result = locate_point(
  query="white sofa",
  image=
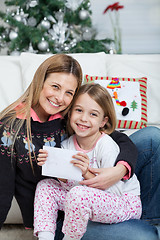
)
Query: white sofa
[{"x": 17, "y": 72}]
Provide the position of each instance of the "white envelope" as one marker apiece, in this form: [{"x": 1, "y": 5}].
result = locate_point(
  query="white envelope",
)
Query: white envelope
[{"x": 58, "y": 164}]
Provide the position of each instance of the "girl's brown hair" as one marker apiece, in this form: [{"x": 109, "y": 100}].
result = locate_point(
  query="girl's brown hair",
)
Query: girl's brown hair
[
  {"x": 102, "y": 97},
  {"x": 58, "y": 63}
]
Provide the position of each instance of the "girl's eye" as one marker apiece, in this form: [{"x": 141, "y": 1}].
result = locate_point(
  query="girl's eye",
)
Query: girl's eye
[
  {"x": 94, "y": 114},
  {"x": 78, "y": 110}
]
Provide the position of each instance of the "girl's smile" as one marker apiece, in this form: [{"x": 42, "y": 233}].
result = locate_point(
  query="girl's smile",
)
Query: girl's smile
[{"x": 82, "y": 127}]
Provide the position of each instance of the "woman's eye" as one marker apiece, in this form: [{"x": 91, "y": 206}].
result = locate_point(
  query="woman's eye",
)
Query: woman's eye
[
  {"x": 55, "y": 86},
  {"x": 70, "y": 93}
]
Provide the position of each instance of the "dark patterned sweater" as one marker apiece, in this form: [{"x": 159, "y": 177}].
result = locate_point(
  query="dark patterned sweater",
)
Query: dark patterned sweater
[{"x": 16, "y": 175}]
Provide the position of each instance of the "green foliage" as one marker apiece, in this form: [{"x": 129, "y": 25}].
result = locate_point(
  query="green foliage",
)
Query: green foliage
[
  {"x": 68, "y": 31},
  {"x": 91, "y": 46}
]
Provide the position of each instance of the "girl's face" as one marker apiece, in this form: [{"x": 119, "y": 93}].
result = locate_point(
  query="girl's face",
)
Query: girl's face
[
  {"x": 87, "y": 117},
  {"x": 56, "y": 95}
]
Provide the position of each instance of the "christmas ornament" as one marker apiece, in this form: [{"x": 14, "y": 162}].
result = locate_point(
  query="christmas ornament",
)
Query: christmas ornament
[
  {"x": 89, "y": 4},
  {"x": 15, "y": 53},
  {"x": 20, "y": 16},
  {"x": 60, "y": 31},
  {"x": 111, "y": 48},
  {"x": 32, "y": 22},
  {"x": 1, "y": 42},
  {"x": 30, "y": 49},
  {"x": 45, "y": 23},
  {"x": 33, "y": 3},
  {"x": 73, "y": 43},
  {"x": 23, "y": 16},
  {"x": 51, "y": 18},
  {"x": 73, "y": 4},
  {"x": 83, "y": 14},
  {"x": 13, "y": 35},
  {"x": 76, "y": 32},
  {"x": 87, "y": 33},
  {"x": 17, "y": 16},
  {"x": 59, "y": 15},
  {"x": 43, "y": 45},
  {"x": 112, "y": 51}
]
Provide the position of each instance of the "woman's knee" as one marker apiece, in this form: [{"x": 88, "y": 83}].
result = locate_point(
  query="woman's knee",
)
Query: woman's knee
[{"x": 146, "y": 139}]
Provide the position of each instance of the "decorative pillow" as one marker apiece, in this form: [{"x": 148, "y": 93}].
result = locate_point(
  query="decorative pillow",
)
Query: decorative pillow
[{"x": 129, "y": 98}]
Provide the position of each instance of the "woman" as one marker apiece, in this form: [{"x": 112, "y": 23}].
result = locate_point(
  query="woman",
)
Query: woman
[{"x": 32, "y": 121}]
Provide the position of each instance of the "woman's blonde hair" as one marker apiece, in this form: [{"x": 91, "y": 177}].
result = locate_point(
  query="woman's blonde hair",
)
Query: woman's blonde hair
[
  {"x": 102, "y": 97},
  {"x": 58, "y": 63}
]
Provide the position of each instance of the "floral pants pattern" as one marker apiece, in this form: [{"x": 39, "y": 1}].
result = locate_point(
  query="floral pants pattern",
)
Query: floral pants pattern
[{"x": 80, "y": 204}]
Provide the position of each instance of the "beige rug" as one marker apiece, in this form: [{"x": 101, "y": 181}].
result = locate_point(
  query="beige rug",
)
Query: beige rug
[{"x": 15, "y": 232}]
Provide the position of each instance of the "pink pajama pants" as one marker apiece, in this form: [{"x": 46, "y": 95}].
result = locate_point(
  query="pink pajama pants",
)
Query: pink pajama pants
[{"x": 80, "y": 204}]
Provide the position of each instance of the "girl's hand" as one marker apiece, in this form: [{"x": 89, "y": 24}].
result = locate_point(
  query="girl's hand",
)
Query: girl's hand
[
  {"x": 42, "y": 157},
  {"x": 105, "y": 177},
  {"x": 82, "y": 161}
]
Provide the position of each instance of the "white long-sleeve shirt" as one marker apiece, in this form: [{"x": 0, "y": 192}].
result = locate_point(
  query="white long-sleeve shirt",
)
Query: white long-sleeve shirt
[{"x": 103, "y": 155}]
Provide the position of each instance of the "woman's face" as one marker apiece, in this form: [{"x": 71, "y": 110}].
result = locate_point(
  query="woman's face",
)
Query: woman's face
[{"x": 56, "y": 95}]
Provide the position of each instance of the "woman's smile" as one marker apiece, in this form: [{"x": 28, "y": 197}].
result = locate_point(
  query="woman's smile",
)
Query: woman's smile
[
  {"x": 53, "y": 103},
  {"x": 56, "y": 95}
]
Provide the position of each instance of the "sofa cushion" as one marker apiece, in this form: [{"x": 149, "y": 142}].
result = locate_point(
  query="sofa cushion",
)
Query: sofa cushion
[
  {"x": 10, "y": 83},
  {"x": 91, "y": 63},
  {"x": 133, "y": 66},
  {"x": 129, "y": 98}
]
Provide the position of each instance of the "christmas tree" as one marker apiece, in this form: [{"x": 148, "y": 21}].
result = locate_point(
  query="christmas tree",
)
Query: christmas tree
[
  {"x": 134, "y": 105},
  {"x": 43, "y": 26}
]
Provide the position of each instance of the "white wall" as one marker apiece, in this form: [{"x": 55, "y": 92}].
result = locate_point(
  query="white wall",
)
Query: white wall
[{"x": 139, "y": 21}]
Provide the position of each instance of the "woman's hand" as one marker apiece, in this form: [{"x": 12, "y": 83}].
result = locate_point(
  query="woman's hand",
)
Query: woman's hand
[
  {"x": 42, "y": 157},
  {"x": 105, "y": 177}
]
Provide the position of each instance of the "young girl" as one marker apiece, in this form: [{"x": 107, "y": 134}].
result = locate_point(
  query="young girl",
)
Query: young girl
[{"x": 91, "y": 116}]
